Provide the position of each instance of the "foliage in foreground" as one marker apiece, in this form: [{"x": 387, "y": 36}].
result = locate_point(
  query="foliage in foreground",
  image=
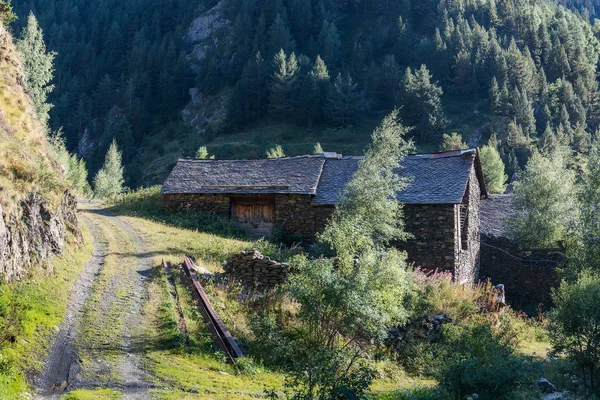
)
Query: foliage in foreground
[
  {"x": 30, "y": 310},
  {"x": 576, "y": 325},
  {"x": 347, "y": 305}
]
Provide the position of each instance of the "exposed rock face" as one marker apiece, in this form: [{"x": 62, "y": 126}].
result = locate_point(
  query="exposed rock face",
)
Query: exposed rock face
[
  {"x": 36, "y": 233},
  {"x": 206, "y": 113},
  {"x": 204, "y": 29}
]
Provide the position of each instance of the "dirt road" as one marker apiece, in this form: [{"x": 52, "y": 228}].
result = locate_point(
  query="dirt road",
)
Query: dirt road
[{"x": 100, "y": 341}]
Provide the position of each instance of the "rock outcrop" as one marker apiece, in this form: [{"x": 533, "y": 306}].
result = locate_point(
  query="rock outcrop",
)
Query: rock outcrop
[
  {"x": 206, "y": 112},
  {"x": 35, "y": 233},
  {"x": 204, "y": 30}
]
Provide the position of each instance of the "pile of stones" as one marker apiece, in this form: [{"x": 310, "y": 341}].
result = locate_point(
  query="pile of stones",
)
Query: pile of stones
[{"x": 256, "y": 271}]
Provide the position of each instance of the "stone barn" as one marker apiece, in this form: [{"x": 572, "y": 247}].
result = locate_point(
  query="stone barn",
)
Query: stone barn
[{"x": 298, "y": 194}]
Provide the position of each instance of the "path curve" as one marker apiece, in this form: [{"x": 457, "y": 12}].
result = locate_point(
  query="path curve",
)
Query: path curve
[{"x": 63, "y": 370}]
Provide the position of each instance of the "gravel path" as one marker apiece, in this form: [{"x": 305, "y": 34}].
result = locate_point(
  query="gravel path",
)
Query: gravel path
[{"x": 119, "y": 364}]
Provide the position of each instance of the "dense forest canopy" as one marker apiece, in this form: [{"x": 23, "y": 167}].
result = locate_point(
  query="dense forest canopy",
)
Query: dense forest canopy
[
  {"x": 121, "y": 69},
  {"x": 528, "y": 67}
]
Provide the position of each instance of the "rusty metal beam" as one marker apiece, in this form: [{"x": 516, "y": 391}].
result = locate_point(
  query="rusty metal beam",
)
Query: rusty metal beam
[{"x": 221, "y": 335}]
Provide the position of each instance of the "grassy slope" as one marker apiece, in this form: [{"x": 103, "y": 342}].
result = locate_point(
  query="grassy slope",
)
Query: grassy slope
[
  {"x": 24, "y": 161},
  {"x": 196, "y": 370},
  {"x": 44, "y": 299}
]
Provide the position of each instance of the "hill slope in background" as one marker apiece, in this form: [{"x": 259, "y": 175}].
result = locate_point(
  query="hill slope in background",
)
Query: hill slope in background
[
  {"x": 525, "y": 70},
  {"x": 36, "y": 208}
]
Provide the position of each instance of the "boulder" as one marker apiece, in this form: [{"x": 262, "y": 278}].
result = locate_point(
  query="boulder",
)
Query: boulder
[{"x": 546, "y": 386}]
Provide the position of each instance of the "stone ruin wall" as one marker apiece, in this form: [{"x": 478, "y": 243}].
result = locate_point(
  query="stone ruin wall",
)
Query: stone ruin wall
[
  {"x": 528, "y": 275},
  {"x": 256, "y": 271}
]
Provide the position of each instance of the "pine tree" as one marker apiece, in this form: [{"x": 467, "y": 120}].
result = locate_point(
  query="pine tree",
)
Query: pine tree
[
  {"x": 581, "y": 140},
  {"x": 565, "y": 123},
  {"x": 7, "y": 16},
  {"x": 452, "y": 142},
  {"x": 344, "y": 101},
  {"x": 493, "y": 169},
  {"x": 109, "y": 180},
  {"x": 275, "y": 152},
  {"x": 38, "y": 64},
  {"x": 283, "y": 84},
  {"x": 494, "y": 98},
  {"x": 280, "y": 36},
  {"x": 329, "y": 44},
  {"x": 464, "y": 82},
  {"x": 515, "y": 137},
  {"x": 313, "y": 91},
  {"x": 421, "y": 100},
  {"x": 523, "y": 113},
  {"x": 548, "y": 143}
]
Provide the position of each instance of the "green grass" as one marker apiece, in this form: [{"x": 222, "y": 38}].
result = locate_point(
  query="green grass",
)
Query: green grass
[
  {"x": 94, "y": 394},
  {"x": 191, "y": 366},
  {"x": 105, "y": 309},
  {"x": 43, "y": 299}
]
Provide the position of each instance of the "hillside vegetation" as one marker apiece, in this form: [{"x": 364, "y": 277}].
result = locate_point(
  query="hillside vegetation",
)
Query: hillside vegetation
[
  {"x": 522, "y": 69},
  {"x": 25, "y": 163}
]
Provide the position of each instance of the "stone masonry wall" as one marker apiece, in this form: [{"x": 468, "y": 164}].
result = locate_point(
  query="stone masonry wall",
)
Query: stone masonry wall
[
  {"x": 528, "y": 275},
  {"x": 467, "y": 254},
  {"x": 218, "y": 204},
  {"x": 432, "y": 226},
  {"x": 295, "y": 214},
  {"x": 254, "y": 270}
]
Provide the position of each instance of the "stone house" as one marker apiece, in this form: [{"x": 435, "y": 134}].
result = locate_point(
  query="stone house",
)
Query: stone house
[
  {"x": 528, "y": 275},
  {"x": 299, "y": 194}
]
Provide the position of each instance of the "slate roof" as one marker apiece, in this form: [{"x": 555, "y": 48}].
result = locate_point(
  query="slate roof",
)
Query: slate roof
[
  {"x": 298, "y": 175},
  {"x": 495, "y": 212},
  {"x": 439, "y": 178}
]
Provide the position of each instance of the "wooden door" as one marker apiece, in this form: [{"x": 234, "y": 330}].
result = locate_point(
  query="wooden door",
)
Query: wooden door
[{"x": 257, "y": 214}]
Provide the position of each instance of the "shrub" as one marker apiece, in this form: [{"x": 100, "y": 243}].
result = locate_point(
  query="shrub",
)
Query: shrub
[
  {"x": 575, "y": 324},
  {"x": 479, "y": 360}
]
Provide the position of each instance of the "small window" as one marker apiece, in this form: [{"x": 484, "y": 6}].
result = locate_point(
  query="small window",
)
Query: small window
[{"x": 464, "y": 217}]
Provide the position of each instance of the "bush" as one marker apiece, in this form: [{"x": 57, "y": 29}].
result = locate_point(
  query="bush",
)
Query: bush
[
  {"x": 575, "y": 324},
  {"x": 479, "y": 360}
]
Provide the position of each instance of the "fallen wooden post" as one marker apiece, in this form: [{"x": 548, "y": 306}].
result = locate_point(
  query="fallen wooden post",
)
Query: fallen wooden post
[{"x": 224, "y": 340}]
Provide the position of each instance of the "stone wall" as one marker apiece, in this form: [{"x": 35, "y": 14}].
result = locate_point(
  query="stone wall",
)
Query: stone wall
[
  {"x": 295, "y": 214},
  {"x": 35, "y": 233},
  {"x": 438, "y": 242},
  {"x": 218, "y": 204},
  {"x": 467, "y": 253},
  {"x": 528, "y": 275},
  {"x": 432, "y": 226},
  {"x": 254, "y": 270}
]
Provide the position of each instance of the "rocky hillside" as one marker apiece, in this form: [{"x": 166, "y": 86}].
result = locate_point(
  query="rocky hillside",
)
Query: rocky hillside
[{"x": 37, "y": 210}]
